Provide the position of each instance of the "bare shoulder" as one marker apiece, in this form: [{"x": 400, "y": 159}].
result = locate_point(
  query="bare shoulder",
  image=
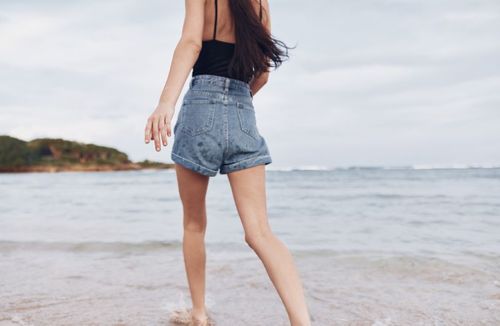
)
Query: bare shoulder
[
  {"x": 192, "y": 30},
  {"x": 266, "y": 16},
  {"x": 265, "y": 9}
]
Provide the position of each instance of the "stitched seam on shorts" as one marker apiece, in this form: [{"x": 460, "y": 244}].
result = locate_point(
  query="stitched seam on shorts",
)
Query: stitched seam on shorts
[
  {"x": 225, "y": 114},
  {"x": 201, "y": 166},
  {"x": 248, "y": 159}
]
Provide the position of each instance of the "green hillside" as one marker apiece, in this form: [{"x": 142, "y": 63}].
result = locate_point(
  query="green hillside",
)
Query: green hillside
[{"x": 59, "y": 154}]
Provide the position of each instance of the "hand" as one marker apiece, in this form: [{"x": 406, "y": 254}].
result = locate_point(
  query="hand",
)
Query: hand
[{"x": 158, "y": 126}]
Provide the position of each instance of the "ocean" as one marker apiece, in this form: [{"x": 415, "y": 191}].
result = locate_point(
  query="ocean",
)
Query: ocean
[{"x": 374, "y": 246}]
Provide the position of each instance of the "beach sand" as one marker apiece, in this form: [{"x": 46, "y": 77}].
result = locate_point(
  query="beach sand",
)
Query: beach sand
[{"x": 99, "y": 284}]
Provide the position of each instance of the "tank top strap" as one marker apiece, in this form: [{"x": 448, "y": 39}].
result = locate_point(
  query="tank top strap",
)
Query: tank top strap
[{"x": 215, "y": 24}]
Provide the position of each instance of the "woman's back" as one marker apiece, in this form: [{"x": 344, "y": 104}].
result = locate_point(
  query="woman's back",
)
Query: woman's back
[
  {"x": 219, "y": 40},
  {"x": 224, "y": 27}
]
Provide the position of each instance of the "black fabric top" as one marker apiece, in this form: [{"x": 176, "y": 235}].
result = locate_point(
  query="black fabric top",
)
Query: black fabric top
[{"x": 216, "y": 55}]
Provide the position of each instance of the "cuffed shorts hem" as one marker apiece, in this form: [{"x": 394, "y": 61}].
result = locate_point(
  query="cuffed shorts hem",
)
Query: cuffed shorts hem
[
  {"x": 192, "y": 165},
  {"x": 246, "y": 163}
]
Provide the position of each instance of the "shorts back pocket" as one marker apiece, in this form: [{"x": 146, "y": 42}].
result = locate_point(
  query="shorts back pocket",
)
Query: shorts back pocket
[
  {"x": 197, "y": 116},
  {"x": 247, "y": 119}
]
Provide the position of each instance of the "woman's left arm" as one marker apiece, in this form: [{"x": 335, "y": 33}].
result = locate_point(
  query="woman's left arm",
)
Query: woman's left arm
[{"x": 158, "y": 125}]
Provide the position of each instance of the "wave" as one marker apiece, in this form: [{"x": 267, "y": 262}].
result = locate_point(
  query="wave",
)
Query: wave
[
  {"x": 455, "y": 166},
  {"x": 381, "y": 167},
  {"x": 300, "y": 168},
  {"x": 88, "y": 246}
]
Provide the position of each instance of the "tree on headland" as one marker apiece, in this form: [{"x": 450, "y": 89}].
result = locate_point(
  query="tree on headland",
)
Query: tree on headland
[
  {"x": 14, "y": 152},
  {"x": 56, "y": 154}
]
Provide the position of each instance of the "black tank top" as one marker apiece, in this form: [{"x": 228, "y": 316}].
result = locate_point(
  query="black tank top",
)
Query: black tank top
[{"x": 216, "y": 55}]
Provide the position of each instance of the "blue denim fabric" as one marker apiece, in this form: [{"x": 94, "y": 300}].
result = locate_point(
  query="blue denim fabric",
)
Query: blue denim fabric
[{"x": 216, "y": 127}]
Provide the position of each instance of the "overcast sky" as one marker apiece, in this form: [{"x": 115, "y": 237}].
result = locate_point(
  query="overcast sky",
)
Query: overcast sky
[{"x": 371, "y": 82}]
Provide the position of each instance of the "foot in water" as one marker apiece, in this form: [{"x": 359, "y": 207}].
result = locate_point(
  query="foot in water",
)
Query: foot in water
[{"x": 184, "y": 317}]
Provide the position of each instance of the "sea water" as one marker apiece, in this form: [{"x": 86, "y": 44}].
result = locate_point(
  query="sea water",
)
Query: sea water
[{"x": 373, "y": 246}]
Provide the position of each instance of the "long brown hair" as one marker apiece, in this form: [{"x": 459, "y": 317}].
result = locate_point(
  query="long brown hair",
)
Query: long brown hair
[{"x": 256, "y": 50}]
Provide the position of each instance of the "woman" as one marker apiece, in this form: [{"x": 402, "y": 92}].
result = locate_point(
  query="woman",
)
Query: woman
[{"x": 229, "y": 46}]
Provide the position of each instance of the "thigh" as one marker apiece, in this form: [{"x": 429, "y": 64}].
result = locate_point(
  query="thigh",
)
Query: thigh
[
  {"x": 249, "y": 192},
  {"x": 192, "y": 190}
]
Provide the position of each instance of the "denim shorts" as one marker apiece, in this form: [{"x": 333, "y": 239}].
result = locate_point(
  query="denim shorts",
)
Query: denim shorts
[{"x": 216, "y": 127}]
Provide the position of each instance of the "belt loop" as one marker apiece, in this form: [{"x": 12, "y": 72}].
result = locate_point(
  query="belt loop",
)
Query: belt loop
[{"x": 226, "y": 84}]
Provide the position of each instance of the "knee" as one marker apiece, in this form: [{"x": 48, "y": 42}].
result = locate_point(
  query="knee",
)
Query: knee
[
  {"x": 195, "y": 225},
  {"x": 257, "y": 239}
]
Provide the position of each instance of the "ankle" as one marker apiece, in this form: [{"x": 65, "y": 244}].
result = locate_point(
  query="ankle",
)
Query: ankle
[
  {"x": 304, "y": 323},
  {"x": 199, "y": 313}
]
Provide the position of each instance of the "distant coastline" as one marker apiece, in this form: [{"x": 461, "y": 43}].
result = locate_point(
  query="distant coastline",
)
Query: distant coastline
[{"x": 59, "y": 155}]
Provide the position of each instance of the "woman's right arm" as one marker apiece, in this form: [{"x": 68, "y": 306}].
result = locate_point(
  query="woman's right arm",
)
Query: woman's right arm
[
  {"x": 158, "y": 125},
  {"x": 260, "y": 80}
]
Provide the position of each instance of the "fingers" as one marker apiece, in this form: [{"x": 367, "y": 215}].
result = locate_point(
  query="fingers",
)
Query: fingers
[
  {"x": 156, "y": 134},
  {"x": 158, "y": 129},
  {"x": 169, "y": 129},
  {"x": 147, "y": 130},
  {"x": 163, "y": 131}
]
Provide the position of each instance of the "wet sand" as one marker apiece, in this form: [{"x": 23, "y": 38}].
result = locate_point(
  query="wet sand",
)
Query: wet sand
[{"x": 108, "y": 286}]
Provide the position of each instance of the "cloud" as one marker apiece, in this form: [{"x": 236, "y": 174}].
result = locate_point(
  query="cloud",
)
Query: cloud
[{"x": 380, "y": 82}]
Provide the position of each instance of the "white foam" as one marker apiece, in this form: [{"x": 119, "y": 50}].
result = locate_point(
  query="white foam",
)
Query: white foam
[
  {"x": 454, "y": 166},
  {"x": 386, "y": 167}
]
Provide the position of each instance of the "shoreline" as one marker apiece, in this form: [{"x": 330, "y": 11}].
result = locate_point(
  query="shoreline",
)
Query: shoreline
[
  {"x": 85, "y": 168},
  {"x": 143, "y": 286}
]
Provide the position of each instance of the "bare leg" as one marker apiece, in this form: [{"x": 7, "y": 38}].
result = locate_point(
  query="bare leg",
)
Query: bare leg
[
  {"x": 192, "y": 190},
  {"x": 249, "y": 193}
]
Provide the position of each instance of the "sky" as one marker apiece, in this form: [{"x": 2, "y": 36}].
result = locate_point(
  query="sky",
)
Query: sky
[{"x": 369, "y": 83}]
